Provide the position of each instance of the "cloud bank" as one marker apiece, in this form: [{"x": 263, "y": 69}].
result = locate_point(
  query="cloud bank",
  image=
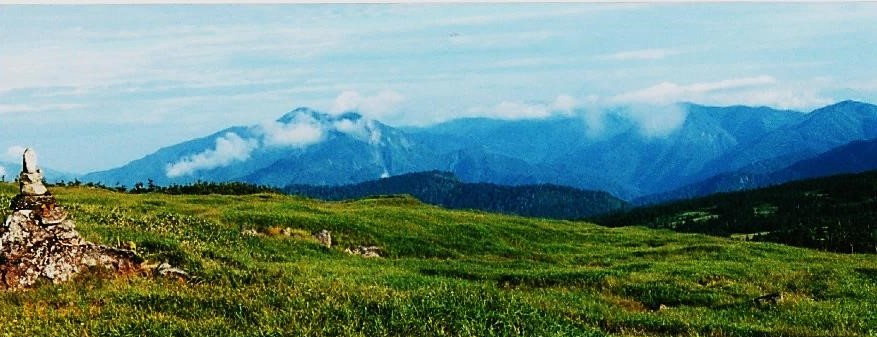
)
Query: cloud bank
[
  {"x": 28, "y": 108},
  {"x": 514, "y": 110},
  {"x": 666, "y": 93},
  {"x": 656, "y": 112},
  {"x": 302, "y": 130},
  {"x": 643, "y": 54},
  {"x": 14, "y": 153},
  {"x": 228, "y": 149},
  {"x": 378, "y": 106}
]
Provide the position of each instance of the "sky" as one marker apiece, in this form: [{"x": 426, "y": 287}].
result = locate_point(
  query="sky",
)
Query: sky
[{"x": 94, "y": 87}]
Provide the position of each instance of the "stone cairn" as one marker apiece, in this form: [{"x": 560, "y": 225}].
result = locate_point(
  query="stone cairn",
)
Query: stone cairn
[{"x": 38, "y": 242}]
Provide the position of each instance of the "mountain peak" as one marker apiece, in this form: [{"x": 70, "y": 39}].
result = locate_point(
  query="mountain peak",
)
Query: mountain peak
[
  {"x": 847, "y": 109},
  {"x": 846, "y": 104},
  {"x": 350, "y": 115},
  {"x": 317, "y": 115},
  {"x": 292, "y": 115}
]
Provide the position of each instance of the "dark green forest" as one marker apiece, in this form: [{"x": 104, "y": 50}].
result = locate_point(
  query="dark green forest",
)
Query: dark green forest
[
  {"x": 196, "y": 188},
  {"x": 837, "y": 213},
  {"x": 444, "y": 189}
]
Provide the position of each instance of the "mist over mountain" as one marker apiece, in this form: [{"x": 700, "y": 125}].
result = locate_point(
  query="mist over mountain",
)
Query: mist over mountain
[{"x": 627, "y": 151}]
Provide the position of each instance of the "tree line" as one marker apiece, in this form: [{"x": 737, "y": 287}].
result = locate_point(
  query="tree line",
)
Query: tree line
[
  {"x": 837, "y": 213},
  {"x": 196, "y": 188}
]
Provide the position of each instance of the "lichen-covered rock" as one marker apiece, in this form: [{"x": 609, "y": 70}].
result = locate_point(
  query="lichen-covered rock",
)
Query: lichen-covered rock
[
  {"x": 38, "y": 242},
  {"x": 32, "y": 202},
  {"x": 30, "y": 251}
]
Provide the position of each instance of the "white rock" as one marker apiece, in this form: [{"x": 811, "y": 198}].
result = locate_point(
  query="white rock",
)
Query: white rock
[{"x": 29, "y": 163}]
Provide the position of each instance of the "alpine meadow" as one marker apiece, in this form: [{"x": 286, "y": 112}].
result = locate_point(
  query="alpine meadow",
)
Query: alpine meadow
[
  {"x": 439, "y": 169},
  {"x": 441, "y": 273}
]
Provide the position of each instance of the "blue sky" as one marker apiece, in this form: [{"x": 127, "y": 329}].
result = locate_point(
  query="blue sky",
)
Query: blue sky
[{"x": 93, "y": 87}]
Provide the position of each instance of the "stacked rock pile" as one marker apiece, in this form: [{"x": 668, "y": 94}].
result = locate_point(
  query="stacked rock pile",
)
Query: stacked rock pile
[{"x": 38, "y": 241}]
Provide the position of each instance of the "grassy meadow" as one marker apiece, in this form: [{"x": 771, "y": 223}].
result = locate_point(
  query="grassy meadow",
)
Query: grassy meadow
[{"x": 443, "y": 273}]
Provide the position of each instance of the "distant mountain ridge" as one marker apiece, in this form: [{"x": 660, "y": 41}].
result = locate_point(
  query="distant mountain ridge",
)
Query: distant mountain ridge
[
  {"x": 309, "y": 147},
  {"x": 444, "y": 189},
  {"x": 854, "y": 157}
]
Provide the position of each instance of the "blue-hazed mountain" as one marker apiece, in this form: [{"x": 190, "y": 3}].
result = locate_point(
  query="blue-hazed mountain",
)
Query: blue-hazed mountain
[
  {"x": 854, "y": 157},
  {"x": 618, "y": 156},
  {"x": 303, "y": 146},
  {"x": 444, "y": 189},
  {"x": 823, "y": 129}
]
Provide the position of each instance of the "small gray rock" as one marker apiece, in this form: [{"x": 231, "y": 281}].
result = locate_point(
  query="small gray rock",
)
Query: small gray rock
[
  {"x": 324, "y": 237},
  {"x": 166, "y": 270}
]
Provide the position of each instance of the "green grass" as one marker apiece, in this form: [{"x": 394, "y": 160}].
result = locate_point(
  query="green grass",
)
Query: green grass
[{"x": 445, "y": 273}]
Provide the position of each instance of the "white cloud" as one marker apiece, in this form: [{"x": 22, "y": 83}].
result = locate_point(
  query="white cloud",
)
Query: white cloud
[
  {"x": 2, "y": 171},
  {"x": 14, "y": 152},
  {"x": 754, "y": 91},
  {"x": 655, "y": 110},
  {"x": 229, "y": 148},
  {"x": 516, "y": 110},
  {"x": 656, "y": 121},
  {"x": 26, "y": 108},
  {"x": 383, "y": 104},
  {"x": 358, "y": 128},
  {"x": 564, "y": 103},
  {"x": 301, "y": 132},
  {"x": 666, "y": 93},
  {"x": 511, "y": 110},
  {"x": 643, "y": 54}
]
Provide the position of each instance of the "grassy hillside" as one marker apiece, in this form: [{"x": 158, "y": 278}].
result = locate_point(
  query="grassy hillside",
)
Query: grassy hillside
[{"x": 445, "y": 273}]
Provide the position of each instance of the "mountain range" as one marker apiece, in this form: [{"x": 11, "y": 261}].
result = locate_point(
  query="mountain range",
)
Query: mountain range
[
  {"x": 617, "y": 153},
  {"x": 854, "y": 157}
]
